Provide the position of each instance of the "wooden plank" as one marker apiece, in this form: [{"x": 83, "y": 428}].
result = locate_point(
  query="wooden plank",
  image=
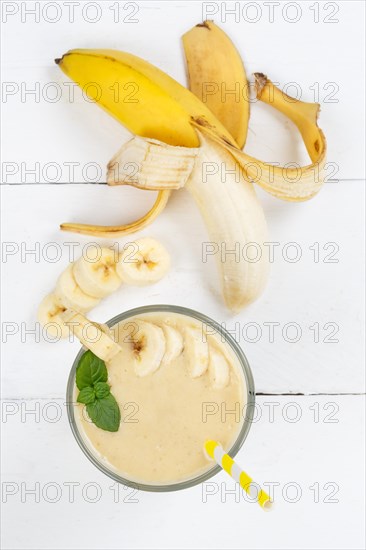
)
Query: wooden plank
[
  {"x": 288, "y": 44},
  {"x": 317, "y": 489},
  {"x": 307, "y": 300}
]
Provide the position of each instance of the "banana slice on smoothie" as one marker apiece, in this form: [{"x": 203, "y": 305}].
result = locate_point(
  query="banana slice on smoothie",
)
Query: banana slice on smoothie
[
  {"x": 196, "y": 351},
  {"x": 144, "y": 262},
  {"x": 70, "y": 294},
  {"x": 98, "y": 278},
  {"x": 218, "y": 369},
  {"x": 49, "y": 317},
  {"x": 91, "y": 335},
  {"x": 148, "y": 346},
  {"x": 173, "y": 343}
]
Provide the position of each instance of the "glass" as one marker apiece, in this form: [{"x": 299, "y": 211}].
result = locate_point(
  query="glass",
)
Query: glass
[{"x": 247, "y": 421}]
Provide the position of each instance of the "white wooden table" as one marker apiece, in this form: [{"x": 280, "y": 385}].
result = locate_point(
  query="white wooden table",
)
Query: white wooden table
[{"x": 307, "y": 442}]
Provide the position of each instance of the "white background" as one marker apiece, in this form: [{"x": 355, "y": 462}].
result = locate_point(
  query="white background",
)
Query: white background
[{"x": 322, "y": 382}]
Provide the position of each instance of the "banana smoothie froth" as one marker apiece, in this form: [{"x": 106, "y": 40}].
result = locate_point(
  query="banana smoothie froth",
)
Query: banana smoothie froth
[{"x": 177, "y": 384}]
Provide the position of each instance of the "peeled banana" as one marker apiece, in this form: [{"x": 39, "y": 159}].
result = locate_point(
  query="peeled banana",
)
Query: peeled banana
[
  {"x": 146, "y": 263},
  {"x": 218, "y": 369},
  {"x": 69, "y": 293},
  {"x": 82, "y": 285},
  {"x": 179, "y": 136},
  {"x": 230, "y": 209},
  {"x": 152, "y": 346},
  {"x": 195, "y": 351},
  {"x": 91, "y": 335},
  {"x": 148, "y": 348},
  {"x": 98, "y": 276},
  {"x": 173, "y": 343},
  {"x": 49, "y": 317}
]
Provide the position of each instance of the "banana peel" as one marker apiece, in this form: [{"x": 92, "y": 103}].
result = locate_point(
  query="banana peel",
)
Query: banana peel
[
  {"x": 217, "y": 77},
  {"x": 292, "y": 184},
  {"x": 111, "y": 231},
  {"x": 147, "y": 101},
  {"x": 177, "y": 129}
]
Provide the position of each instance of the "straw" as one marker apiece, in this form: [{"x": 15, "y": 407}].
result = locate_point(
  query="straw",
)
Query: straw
[{"x": 215, "y": 451}]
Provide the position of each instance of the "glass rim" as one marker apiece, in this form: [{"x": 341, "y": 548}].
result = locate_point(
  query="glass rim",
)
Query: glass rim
[{"x": 241, "y": 437}]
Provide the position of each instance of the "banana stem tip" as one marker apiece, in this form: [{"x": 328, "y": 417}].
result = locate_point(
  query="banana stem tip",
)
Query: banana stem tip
[
  {"x": 205, "y": 24},
  {"x": 260, "y": 81}
]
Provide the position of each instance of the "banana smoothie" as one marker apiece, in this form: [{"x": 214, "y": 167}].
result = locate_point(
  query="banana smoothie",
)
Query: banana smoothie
[{"x": 177, "y": 384}]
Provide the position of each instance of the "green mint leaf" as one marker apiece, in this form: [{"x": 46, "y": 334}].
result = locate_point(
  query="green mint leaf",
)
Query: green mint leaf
[
  {"x": 105, "y": 413},
  {"x": 87, "y": 395},
  {"x": 101, "y": 406},
  {"x": 102, "y": 389},
  {"x": 90, "y": 370}
]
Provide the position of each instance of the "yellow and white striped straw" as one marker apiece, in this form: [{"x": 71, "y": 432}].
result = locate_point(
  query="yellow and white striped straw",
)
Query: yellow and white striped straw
[{"x": 214, "y": 451}]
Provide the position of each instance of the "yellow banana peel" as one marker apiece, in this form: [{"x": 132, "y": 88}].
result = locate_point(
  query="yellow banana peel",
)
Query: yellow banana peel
[
  {"x": 111, "y": 231},
  {"x": 145, "y": 99},
  {"x": 295, "y": 184},
  {"x": 217, "y": 77},
  {"x": 179, "y": 134}
]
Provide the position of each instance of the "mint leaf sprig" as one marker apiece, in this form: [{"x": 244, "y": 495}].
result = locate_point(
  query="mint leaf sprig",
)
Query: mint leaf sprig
[{"x": 91, "y": 380}]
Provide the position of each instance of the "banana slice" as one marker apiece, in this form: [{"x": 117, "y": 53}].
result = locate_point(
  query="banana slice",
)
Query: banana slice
[
  {"x": 218, "y": 369},
  {"x": 147, "y": 264},
  {"x": 91, "y": 335},
  {"x": 195, "y": 351},
  {"x": 148, "y": 344},
  {"x": 49, "y": 317},
  {"x": 173, "y": 343},
  {"x": 70, "y": 295},
  {"x": 98, "y": 278}
]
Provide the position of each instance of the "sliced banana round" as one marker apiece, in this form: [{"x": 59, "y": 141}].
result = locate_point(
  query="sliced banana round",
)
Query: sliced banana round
[
  {"x": 218, "y": 369},
  {"x": 91, "y": 334},
  {"x": 144, "y": 262},
  {"x": 195, "y": 351},
  {"x": 148, "y": 344},
  {"x": 173, "y": 343},
  {"x": 98, "y": 277},
  {"x": 49, "y": 317},
  {"x": 70, "y": 294}
]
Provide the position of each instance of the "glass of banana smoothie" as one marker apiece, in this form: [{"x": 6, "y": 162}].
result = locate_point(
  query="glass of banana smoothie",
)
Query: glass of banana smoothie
[{"x": 180, "y": 379}]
